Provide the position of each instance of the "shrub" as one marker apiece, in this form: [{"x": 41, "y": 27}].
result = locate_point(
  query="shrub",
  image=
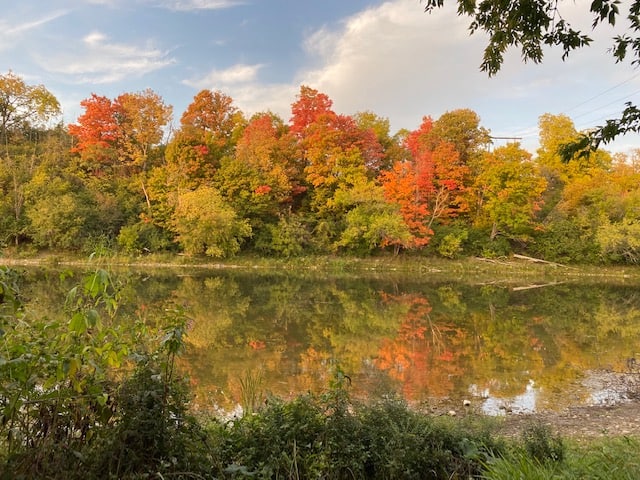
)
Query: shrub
[{"x": 143, "y": 237}]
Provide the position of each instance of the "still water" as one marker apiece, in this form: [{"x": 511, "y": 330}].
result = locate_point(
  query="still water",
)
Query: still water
[{"x": 521, "y": 345}]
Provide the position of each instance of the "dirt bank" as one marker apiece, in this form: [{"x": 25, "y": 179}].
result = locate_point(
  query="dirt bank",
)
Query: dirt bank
[{"x": 582, "y": 422}]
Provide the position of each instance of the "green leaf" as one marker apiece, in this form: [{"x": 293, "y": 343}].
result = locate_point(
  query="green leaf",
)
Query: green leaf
[{"x": 78, "y": 323}]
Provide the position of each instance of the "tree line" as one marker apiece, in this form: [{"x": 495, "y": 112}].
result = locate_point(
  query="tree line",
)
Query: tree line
[{"x": 122, "y": 178}]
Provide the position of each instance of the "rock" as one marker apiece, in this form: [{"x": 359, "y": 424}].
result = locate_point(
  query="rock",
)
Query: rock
[
  {"x": 466, "y": 403},
  {"x": 451, "y": 413}
]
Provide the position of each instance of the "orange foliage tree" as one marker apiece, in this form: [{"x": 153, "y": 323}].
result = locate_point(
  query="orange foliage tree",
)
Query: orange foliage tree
[{"x": 429, "y": 186}]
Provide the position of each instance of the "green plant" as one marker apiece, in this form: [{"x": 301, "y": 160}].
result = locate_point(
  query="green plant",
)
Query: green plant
[
  {"x": 54, "y": 379},
  {"x": 92, "y": 396},
  {"x": 541, "y": 444},
  {"x": 451, "y": 245}
]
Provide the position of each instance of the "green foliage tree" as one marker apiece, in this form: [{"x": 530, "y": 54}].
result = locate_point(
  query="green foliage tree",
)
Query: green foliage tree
[
  {"x": 372, "y": 226},
  {"x": 460, "y": 127},
  {"x": 61, "y": 214},
  {"x": 24, "y": 111},
  {"x": 289, "y": 237},
  {"x": 206, "y": 224},
  {"x": 510, "y": 188}
]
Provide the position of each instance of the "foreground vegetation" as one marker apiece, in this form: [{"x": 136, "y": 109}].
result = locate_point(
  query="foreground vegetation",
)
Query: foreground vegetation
[{"x": 95, "y": 395}]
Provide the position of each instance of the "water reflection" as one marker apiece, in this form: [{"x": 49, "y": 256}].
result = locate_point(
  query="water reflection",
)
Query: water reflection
[
  {"x": 525, "y": 402},
  {"x": 425, "y": 337}
]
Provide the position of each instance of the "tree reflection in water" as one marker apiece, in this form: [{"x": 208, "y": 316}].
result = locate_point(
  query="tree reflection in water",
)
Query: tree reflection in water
[{"x": 423, "y": 337}]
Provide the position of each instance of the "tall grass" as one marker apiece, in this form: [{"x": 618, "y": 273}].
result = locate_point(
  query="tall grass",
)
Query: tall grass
[{"x": 610, "y": 459}]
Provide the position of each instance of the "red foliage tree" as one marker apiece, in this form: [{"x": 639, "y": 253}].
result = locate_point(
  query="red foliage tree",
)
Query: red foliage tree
[{"x": 97, "y": 130}]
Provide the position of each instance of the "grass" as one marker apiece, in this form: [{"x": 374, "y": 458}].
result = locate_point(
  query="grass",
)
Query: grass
[{"x": 614, "y": 458}]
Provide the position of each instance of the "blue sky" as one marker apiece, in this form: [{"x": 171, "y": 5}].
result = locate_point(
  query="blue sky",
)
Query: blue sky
[{"x": 384, "y": 56}]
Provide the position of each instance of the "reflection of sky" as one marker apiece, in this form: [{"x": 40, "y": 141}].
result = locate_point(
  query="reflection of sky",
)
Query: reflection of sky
[{"x": 523, "y": 403}]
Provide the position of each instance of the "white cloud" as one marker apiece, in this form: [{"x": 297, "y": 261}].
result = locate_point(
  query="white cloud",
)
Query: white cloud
[
  {"x": 241, "y": 83},
  {"x": 397, "y": 61},
  {"x": 220, "y": 79},
  {"x": 94, "y": 38},
  {"x": 101, "y": 61}
]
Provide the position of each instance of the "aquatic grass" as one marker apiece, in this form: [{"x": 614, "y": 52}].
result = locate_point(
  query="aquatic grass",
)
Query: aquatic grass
[{"x": 251, "y": 384}]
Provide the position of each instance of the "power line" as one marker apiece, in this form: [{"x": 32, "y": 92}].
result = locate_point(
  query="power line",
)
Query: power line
[
  {"x": 604, "y": 92},
  {"x": 617, "y": 100}
]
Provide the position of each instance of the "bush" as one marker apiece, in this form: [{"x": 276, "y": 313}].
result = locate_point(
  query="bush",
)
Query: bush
[
  {"x": 565, "y": 242},
  {"x": 143, "y": 237},
  {"x": 449, "y": 241},
  {"x": 152, "y": 430},
  {"x": 330, "y": 437}
]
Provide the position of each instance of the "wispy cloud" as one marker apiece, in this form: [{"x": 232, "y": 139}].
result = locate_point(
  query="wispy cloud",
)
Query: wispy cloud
[
  {"x": 190, "y": 5},
  {"x": 97, "y": 60},
  {"x": 11, "y": 32}
]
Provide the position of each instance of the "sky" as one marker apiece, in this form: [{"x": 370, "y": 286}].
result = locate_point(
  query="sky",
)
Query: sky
[{"x": 387, "y": 57}]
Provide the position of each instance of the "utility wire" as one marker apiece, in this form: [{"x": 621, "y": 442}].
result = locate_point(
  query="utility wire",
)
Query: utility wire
[
  {"x": 617, "y": 100},
  {"x": 604, "y": 92}
]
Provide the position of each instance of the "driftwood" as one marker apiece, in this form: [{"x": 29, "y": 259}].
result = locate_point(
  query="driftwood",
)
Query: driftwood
[
  {"x": 536, "y": 285},
  {"x": 491, "y": 260},
  {"x": 537, "y": 260}
]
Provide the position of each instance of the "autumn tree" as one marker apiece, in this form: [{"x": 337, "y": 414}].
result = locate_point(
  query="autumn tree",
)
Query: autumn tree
[
  {"x": 263, "y": 179},
  {"x": 213, "y": 118},
  {"x": 118, "y": 134},
  {"x": 439, "y": 158},
  {"x": 97, "y": 132},
  {"x": 556, "y": 131},
  {"x": 209, "y": 130},
  {"x": 309, "y": 105},
  {"x": 333, "y": 143},
  {"x": 429, "y": 186},
  {"x": 22, "y": 104},
  {"x": 142, "y": 118},
  {"x": 266, "y": 147},
  {"x": 333, "y": 147},
  {"x": 392, "y": 146},
  {"x": 510, "y": 189},
  {"x": 460, "y": 128}
]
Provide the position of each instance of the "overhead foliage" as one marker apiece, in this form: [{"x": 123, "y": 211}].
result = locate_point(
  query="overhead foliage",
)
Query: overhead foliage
[{"x": 533, "y": 26}]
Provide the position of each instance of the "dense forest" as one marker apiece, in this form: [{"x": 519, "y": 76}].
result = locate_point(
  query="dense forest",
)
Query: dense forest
[{"x": 123, "y": 179}]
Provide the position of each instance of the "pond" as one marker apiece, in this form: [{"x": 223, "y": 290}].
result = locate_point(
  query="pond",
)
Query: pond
[{"x": 520, "y": 345}]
